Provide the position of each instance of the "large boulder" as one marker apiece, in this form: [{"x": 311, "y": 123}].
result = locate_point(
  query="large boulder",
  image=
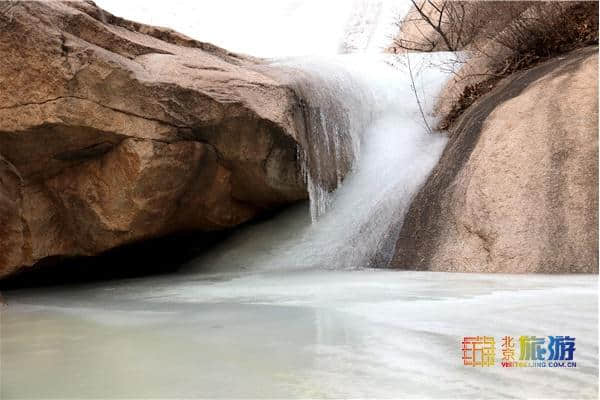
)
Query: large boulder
[
  {"x": 113, "y": 132},
  {"x": 516, "y": 189}
]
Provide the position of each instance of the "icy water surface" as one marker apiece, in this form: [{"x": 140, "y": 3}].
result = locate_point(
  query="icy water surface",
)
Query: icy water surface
[{"x": 297, "y": 334}]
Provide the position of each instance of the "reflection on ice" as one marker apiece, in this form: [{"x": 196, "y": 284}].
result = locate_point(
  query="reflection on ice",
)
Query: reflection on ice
[{"x": 298, "y": 334}]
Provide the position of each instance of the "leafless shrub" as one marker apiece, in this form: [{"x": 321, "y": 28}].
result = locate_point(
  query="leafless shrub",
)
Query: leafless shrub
[
  {"x": 509, "y": 35},
  {"x": 543, "y": 30},
  {"x": 433, "y": 25}
]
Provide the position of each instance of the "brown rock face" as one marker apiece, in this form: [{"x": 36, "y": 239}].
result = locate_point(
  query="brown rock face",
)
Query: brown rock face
[
  {"x": 516, "y": 189},
  {"x": 113, "y": 132}
]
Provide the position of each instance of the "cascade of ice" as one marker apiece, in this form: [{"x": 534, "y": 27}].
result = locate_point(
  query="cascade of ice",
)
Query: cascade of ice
[{"x": 365, "y": 149}]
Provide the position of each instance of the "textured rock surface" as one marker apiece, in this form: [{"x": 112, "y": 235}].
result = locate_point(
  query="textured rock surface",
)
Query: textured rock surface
[
  {"x": 113, "y": 132},
  {"x": 516, "y": 189}
]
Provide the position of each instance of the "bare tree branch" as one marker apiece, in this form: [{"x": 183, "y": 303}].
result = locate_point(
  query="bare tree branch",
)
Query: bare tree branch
[
  {"x": 436, "y": 27},
  {"x": 414, "y": 89}
]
